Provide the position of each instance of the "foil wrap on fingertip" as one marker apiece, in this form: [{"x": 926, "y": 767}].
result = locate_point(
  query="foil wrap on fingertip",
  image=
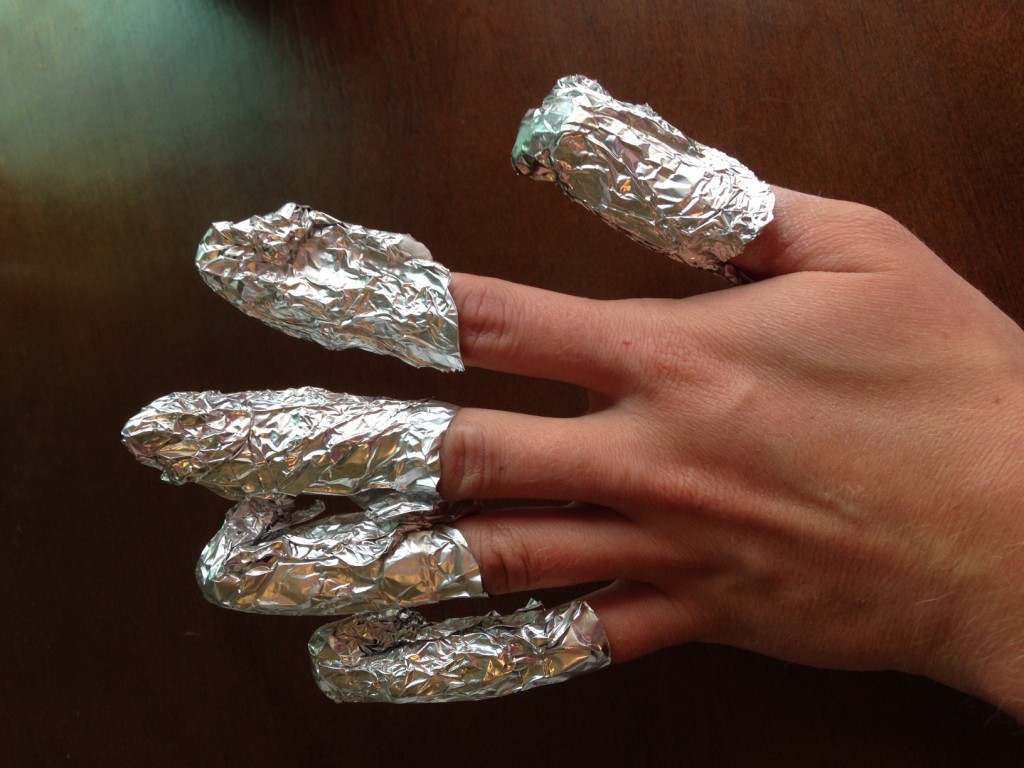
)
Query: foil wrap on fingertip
[
  {"x": 268, "y": 443},
  {"x": 643, "y": 176},
  {"x": 272, "y": 557},
  {"x": 341, "y": 285},
  {"x": 396, "y": 656}
]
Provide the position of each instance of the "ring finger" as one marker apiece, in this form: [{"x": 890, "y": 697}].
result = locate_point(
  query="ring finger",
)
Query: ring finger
[{"x": 533, "y": 548}]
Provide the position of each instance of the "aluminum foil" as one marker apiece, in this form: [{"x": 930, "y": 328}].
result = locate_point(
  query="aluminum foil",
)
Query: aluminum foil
[
  {"x": 273, "y": 557},
  {"x": 343, "y": 286},
  {"x": 309, "y": 440},
  {"x": 340, "y": 285},
  {"x": 643, "y": 176},
  {"x": 397, "y": 656}
]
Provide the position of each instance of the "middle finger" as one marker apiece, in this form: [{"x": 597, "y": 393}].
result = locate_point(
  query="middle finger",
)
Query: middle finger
[{"x": 499, "y": 455}]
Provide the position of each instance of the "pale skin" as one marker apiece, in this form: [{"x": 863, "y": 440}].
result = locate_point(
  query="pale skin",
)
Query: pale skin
[{"x": 826, "y": 466}]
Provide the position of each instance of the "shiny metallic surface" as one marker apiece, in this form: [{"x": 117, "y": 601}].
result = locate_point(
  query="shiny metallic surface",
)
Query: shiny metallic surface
[
  {"x": 309, "y": 440},
  {"x": 643, "y": 176},
  {"x": 398, "y": 657},
  {"x": 272, "y": 557},
  {"x": 314, "y": 277},
  {"x": 340, "y": 285}
]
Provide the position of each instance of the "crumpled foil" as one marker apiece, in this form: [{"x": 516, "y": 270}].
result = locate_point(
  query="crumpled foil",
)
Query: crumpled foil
[
  {"x": 309, "y": 440},
  {"x": 643, "y": 176},
  {"x": 272, "y": 557},
  {"x": 340, "y": 285},
  {"x": 397, "y": 656}
]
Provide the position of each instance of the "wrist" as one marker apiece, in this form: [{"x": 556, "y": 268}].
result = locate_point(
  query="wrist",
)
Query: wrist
[
  {"x": 990, "y": 645},
  {"x": 993, "y": 667},
  {"x": 995, "y": 658}
]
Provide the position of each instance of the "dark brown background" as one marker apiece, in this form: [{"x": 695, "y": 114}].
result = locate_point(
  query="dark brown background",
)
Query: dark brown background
[{"x": 126, "y": 127}]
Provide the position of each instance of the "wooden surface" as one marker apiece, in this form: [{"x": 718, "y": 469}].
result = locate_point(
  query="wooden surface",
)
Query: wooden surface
[{"x": 127, "y": 127}]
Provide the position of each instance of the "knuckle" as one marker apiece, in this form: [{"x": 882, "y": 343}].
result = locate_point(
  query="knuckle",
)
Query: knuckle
[
  {"x": 864, "y": 218},
  {"x": 466, "y": 462},
  {"x": 506, "y": 560},
  {"x": 679, "y": 356},
  {"x": 680, "y": 363},
  {"x": 853, "y": 223},
  {"x": 680, "y": 488},
  {"x": 487, "y": 315}
]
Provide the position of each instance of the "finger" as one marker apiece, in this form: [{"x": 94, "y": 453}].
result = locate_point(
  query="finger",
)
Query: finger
[
  {"x": 293, "y": 441},
  {"x": 519, "y": 550},
  {"x": 812, "y": 233},
  {"x": 272, "y": 557},
  {"x": 496, "y": 455},
  {"x": 640, "y": 619},
  {"x": 517, "y": 329}
]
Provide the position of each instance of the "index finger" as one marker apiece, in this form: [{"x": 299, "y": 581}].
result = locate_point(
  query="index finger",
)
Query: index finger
[{"x": 533, "y": 332}]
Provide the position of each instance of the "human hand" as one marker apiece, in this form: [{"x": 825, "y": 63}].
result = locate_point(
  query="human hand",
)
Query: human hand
[
  {"x": 813, "y": 466},
  {"x": 823, "y": 466}
]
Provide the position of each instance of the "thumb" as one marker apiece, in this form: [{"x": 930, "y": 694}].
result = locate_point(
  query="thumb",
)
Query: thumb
[{"x": 818, "y": 234}]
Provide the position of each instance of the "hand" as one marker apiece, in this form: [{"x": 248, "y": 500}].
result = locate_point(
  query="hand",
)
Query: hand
[{"x": 824, "y": 466}]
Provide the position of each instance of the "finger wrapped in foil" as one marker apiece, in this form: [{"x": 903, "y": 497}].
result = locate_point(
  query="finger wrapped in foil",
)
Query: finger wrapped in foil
[
  {"x": 643, "y": 176},
  {"x": 397, "y": 656},
  {"x": 340, "y": 285},
  {"x": 269, "y": 443},
  {"x": 272, "y": 557}
]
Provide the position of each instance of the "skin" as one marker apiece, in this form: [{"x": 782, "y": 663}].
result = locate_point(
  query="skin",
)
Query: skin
[{"x": 826, "y": 466}]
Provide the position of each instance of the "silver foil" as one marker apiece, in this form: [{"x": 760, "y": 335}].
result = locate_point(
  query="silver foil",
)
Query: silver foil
[
  {"x": 309, "y": 440},
  {"x": 643, "y": 176},
  {"x": 272, "y": 557},
  {"x": 397, "y": 656},
  {"x": 340, "y": 285}
]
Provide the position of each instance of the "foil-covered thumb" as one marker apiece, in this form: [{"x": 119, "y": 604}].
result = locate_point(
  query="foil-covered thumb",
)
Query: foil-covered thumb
[{"x": 643, "y": 176}]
